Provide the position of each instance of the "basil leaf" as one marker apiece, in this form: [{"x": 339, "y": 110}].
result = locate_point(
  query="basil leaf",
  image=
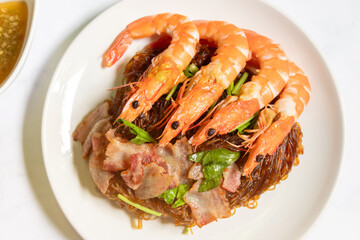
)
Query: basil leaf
[
  {"x": 182, "y": 189},
  {"x": 169, "y": 195},
  {"x": 141, "y": 135},
  {"x": 214, "y": 163}
]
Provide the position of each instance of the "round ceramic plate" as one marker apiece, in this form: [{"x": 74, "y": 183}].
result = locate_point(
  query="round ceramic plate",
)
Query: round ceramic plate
[{"x": 80, "y": 83}]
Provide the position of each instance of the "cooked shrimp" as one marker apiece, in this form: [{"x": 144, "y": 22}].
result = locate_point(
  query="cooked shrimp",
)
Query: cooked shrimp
[
  {"x": 166, "y": 69},
  {"x": 209, "y": 83},
  {"x": 290, "y": 105},
  {"x": 253, "y": 95}
]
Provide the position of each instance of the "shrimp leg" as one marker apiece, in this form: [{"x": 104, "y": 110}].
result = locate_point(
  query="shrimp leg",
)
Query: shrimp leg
[
  {"x": 209, "y": 83},
  {"x": 253, "y": 95},
  {"x": 290, "y": 105},
  {"x": 166, "y": 68}
]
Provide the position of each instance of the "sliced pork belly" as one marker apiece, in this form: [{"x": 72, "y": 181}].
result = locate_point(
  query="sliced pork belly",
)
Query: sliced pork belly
[
  {"x": 207, "y": 206},
  {"x": 83, "y": 129},
  {"x": 101, "y": 178},
  {"x": 195, "y": 172},
  {"x": 119, "y": 151},
  {"x": 101, "y": 126},
  {"x": 148, "y": 163},
  {"x": 231, "y": 178},
  {"x": 155, "y": 181}
]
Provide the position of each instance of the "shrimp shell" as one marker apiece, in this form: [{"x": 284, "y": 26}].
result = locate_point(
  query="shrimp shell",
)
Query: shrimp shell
[
  {"x": 166, "y": 69},
  {"x": 291, "y": 103},
  {"x": 253, "y": 95},
  {"x": 208, "y": 84}
]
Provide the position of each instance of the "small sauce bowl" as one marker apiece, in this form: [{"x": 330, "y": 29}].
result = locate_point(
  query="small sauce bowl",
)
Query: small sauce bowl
[{"x": 31, "y": 16}]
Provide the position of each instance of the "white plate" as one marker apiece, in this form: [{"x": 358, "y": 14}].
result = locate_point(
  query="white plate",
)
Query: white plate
[
  {"x": 32, "y": 13},
  {"x": 80, "y": 83}
]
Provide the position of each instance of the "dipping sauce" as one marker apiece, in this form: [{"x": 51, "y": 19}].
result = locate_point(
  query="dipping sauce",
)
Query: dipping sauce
[{"x": 13, "y": 21}]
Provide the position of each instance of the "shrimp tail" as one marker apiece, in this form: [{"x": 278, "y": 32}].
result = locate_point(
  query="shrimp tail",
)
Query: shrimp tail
[{"x": 117, "y": 48}]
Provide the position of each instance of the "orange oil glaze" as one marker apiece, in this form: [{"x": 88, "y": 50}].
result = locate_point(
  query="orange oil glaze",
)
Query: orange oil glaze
[{"x": 13, "y": 22}]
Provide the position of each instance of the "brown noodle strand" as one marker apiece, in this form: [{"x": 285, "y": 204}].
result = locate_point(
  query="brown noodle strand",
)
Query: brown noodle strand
[{"x": 269, "y": 172}]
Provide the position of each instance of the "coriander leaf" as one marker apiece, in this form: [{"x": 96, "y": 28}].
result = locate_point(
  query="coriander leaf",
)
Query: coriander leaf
[{"x": 141, "y": 135}]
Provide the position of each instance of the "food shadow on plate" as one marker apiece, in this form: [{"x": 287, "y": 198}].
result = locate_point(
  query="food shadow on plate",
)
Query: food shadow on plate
[{"x": 32, "y": 151}]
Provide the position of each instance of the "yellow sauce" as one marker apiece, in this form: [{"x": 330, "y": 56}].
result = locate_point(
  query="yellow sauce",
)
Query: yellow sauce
[{"x": 13, "y": 21}]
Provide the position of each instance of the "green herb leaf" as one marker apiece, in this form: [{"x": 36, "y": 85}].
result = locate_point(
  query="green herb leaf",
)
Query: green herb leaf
[
  {"x": 214, "y": 163},
  {"x": 182, "y": 189},
  {"x": 209, "y": 184},
  {"x": 175, "y": 196},
  {"x": 191, "y": 70},
  {"x": 138, "y": 206},
  {"x": 238, "y": 85},
  {"x": 169, "y": 195},
  {"x": 141, "y": 135},
  {"x": 197, "y": 157}
]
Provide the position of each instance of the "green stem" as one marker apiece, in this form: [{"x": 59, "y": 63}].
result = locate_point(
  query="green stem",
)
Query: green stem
[
  {"x": 172, "y": 91},
  {"x": 246, "y": 123},
  {"x": 238, "y": 85},
  {"x": 230, "y": 88},
  {"x": 138, "y": 206}
]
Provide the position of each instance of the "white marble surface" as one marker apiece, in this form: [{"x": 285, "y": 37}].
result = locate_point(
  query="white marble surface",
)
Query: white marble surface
[{"x": 28, "y": 208}]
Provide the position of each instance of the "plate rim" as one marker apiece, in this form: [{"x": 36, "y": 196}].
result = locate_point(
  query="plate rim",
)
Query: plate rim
[{"x": 276, "y": 8}]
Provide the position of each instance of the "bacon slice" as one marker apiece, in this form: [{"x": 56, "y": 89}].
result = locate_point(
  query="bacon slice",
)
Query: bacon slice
[
  {"x": 195, "y": 172},
  {"x": 231, "y": 178},
  {"x": 101, "y": 178},
  {"x": 148, "y": 163},
  {"x": 101, "y": 126},
  {"x": 155, "y": 181},
  {"x": 119, "y": 151},
  {"x": 177, "y": 158},
  {"x": 207, "y": 206},
  {"x": 83, "y": 129}
]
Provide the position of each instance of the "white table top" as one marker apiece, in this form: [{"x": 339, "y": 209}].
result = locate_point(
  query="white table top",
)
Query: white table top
[{"x": 28, "y": 208}]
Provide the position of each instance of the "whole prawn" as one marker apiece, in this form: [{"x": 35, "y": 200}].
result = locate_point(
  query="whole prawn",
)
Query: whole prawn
[
  {"x": 253, "y": 95},
  {"x": 166, "y": 69},
  {"x": 291, "y": 103},
  {"x": 209, "y": 83}
]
